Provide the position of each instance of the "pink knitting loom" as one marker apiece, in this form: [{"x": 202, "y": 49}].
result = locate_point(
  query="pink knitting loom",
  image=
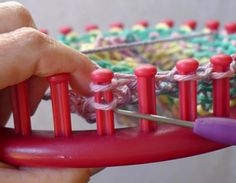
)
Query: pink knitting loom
[{"x": 108, "y": 146}]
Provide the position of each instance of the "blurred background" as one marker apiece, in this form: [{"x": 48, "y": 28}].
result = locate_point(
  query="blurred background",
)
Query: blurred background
[
  {"x": 51, "y": 14},
  {"x": 215, "y": 167}
]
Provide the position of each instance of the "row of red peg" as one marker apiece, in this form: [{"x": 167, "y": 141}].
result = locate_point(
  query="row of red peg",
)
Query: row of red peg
[
  {"x": 146, "y": 97},
  {"x": 146, "y": 93},
  {"x": 188, "y": 89},
  {"x": 60, "y": 106},
  {"x": 212, "y": 25}
]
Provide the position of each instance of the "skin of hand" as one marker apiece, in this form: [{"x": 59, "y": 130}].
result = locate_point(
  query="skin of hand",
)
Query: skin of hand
[{"x": 27, "y": 54}]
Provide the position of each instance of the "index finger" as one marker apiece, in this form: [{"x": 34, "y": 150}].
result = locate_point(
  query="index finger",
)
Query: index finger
[{"x": 27, "y": 52}]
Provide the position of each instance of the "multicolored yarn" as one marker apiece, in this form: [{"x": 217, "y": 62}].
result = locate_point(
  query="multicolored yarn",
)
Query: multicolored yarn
[{"x": 163, "y": 55}]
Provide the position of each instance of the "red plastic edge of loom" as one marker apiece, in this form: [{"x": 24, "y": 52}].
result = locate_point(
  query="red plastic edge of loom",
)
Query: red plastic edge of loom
[{"x": 88, "y": 149}]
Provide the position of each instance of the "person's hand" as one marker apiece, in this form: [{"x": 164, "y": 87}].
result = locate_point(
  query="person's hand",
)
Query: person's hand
[{"x": 26, "y": 53}]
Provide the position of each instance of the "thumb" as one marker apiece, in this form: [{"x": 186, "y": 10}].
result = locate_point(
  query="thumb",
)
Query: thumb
[{"x": 9, "y": 174}]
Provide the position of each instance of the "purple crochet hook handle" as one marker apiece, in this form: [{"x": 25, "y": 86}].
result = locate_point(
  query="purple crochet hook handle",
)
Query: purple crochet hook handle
[{"x": 221, "y": 130}]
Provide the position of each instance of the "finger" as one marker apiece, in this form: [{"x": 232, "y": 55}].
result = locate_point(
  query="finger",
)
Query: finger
[
  {"x": 4, "y": 165},
  {"x": 45, "y": 175},
  {"x": 14, "y": 15},
  {"x": 37, "y": 88},
  {"x": 65, "y": 59},
  {"x": 44, "y": 57}
]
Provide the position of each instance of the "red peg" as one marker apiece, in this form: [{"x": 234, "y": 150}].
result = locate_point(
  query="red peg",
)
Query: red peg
[
  {"x": 104, "y": 119},
  {"x": 187, "y": 89},
  {"x": 230, "y": 27},
  {"x": 221, "y": 95},
  {"x": 65, "y": 29},
  {"x": 146, "y": 94},
  {"x": 191, "y": 23},
  {"x": 20, "y": 108},
  {"x": 143, "y": 23},
  {"x": 60, "y": 104},
  {"x": 168, "y": 22},
  {"x": 90, "y": 27},
  {"x": 119, "y": 25},
  {"x": 45, "y": 31},
  {"x": 213, "y": 25}
]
